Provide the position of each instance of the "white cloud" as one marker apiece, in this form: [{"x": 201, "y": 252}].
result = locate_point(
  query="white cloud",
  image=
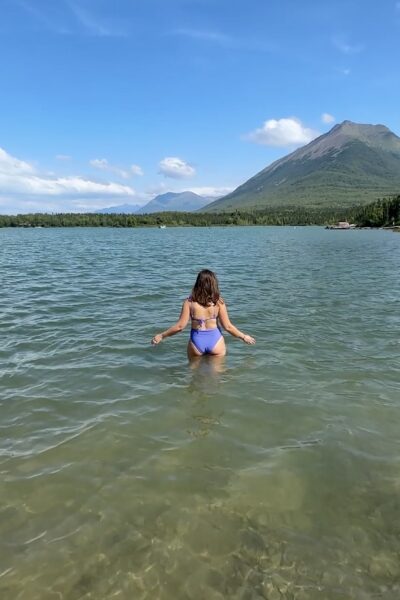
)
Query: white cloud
[
  {"x": 23, "y": 187},
  {"x": 212, "y": 192},
  {"x": 282, "y": 133},
  {"x": 327, "y": 118},
  {"x": 104, "y": 165},
  {"x": 13, "y": 166},
  {"x": 99, "y": 163},
  {"x": 175, "y": 167},
  {"x": 63, "y": 157},
  {"x": 136, "y": 170},
  {"x": 35, "y": 184}
]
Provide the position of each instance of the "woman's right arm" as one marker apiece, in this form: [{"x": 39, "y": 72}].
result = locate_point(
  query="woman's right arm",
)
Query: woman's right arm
[
  {"x": 230, "y": 328},
  {"x": 177, "y": 328}
]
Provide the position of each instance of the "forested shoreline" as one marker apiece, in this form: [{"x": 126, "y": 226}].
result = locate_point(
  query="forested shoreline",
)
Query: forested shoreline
[{"x": 382, "y": 213}]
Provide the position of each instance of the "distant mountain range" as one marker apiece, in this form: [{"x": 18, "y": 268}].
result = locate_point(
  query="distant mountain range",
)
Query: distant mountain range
[
  {"x": 121, "y": 209},
  {"x": 171, "y": 201},
  {"x": 351, "y": 164}
]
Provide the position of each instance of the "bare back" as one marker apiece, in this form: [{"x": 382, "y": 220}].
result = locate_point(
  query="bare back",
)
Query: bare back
[{"x": 203, "y": 317}]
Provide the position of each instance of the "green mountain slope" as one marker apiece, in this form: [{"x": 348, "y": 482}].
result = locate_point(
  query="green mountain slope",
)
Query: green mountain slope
[{"x": 351, "y": 164}]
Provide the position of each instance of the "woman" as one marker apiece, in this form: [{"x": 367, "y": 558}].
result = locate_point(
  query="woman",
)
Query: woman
[{"x": 206, "y": 309}]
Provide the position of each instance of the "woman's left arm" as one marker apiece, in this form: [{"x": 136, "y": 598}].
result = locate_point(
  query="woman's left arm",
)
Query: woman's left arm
[
  {"x": 230, "y": 327},
  {"x": 177, "y": 328}
]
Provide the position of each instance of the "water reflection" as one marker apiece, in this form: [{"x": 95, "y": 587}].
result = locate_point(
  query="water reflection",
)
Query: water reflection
[
  {"x": 204, "y": 387},
  {"x": 206, "y": 374},
  {"x": 208, "y": 365}
]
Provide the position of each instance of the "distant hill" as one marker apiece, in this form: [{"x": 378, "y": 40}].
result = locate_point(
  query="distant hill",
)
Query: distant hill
[
  {"x": 121, "y": 209},
  {"x": 173, "y": 201},
  {"x": 351, "y": 164}
]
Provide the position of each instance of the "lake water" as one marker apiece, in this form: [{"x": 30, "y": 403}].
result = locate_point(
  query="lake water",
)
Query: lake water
[{"x": 126, "y": 473}]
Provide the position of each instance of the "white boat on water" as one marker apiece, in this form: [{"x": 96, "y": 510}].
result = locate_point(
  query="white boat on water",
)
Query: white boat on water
[{"x": 162, "y": 227}]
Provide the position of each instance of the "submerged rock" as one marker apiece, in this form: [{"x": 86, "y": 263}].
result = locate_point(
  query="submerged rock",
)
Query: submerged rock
[{"x": 384, "y": 564}]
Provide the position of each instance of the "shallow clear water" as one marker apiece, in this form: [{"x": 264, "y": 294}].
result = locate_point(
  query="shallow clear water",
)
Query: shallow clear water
[{"x": 125, "y": 473}]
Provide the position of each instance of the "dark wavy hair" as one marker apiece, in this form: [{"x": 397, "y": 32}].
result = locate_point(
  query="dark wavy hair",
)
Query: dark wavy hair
[{"x": 206, "y": 290}]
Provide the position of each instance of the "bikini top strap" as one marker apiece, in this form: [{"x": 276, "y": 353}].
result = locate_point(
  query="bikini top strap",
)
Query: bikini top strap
[{"x": 191, "y": 306}]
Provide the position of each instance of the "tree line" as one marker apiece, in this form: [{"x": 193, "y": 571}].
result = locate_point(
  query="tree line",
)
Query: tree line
[{"x": 383, "y": 212}]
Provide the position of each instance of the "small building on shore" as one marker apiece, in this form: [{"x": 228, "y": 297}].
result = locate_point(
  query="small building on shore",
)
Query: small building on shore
[{"x": 341, "y": 225}]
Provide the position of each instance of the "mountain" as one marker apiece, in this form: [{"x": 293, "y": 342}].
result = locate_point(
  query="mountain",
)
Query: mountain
[
  {"x": 351, "y": 164},
  {"x": 172, "y": 201},
  {"x": 121, "y": 209}
]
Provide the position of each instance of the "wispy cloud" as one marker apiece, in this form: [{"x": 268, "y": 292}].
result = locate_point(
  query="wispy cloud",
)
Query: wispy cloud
[
  {"x": 327, "y": 118},
  {"x": 343, "y": 71},
  {"x": 341, "y": 43},
  {"x": 208, "y": 36},
  {"x": 224, "y": 40},
  {"x": 65, "y": 157},
  {"x": 92, "y": 25},
  {"x": 53, "y": 22},
  {"x": 282, "y": 133},
  {"x": 136, "y": 170},
  {"x": 69, "y": 18},
  {"x": 104, "y": 165}
]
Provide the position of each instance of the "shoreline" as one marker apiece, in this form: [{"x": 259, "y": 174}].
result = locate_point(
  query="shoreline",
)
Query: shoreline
[{"x": 328, "y": 227}]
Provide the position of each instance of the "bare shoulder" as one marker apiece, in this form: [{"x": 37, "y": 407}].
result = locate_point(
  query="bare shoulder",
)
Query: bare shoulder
[{"x": 221, "y": 306}]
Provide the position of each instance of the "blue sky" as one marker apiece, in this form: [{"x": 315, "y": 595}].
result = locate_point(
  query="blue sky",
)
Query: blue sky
[{"x": 110, "y": 102}]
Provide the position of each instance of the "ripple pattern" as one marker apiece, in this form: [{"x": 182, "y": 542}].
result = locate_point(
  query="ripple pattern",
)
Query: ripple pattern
[{"x": 127, "y": 473}]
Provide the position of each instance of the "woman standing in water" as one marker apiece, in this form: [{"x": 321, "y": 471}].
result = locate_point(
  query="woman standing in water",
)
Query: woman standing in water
[{"x": 206, "y": 309}]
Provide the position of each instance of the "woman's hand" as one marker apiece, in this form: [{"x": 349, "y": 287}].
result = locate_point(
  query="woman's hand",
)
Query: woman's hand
[
  {"x": 248, "y": 339},
  {"x": 157, "y": 339}
]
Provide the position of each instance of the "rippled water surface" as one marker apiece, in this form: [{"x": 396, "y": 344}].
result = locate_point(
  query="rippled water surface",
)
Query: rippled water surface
[{"x": 126, "y": 473}]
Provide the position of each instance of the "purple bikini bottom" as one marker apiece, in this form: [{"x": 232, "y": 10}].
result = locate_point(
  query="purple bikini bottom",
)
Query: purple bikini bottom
[{"x": 205, "y": 339}]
